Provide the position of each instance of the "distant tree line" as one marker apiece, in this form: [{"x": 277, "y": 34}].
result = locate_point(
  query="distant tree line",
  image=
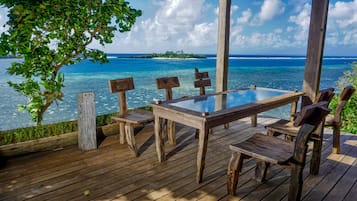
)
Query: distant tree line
[{"x": 171, "y": 54}]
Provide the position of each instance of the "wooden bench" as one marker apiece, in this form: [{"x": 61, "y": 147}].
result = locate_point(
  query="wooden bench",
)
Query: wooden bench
[
  {"x": 334, "y": 120},
  {"x": 168, "y": 83},
  {"x": 271, "y": 150},
  {"x": 128, "y": 120}
]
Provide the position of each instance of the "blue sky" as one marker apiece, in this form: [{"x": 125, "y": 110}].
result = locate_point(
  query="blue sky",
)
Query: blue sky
[{"x": 257, "y": 27}]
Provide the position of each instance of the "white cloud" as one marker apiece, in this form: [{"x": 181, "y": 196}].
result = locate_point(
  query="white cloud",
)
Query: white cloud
[
  {"x": 350, "y": 37},
  {"x": 234, "y": 8},
  {"x": 342, "y": 23},
  {"x": 278, "y": 31},
  {"x": 246, "y": 15},
  {"x": 273, "y": 40},
  {"x": 176, "y": 25},
  {"x": 302, "y": 22},
  {"x": 344, "y": 14},
  {"x": 191, "y": 25},
  {"x": 203, "y": 34},
  {"x": 268, "y": 10}
]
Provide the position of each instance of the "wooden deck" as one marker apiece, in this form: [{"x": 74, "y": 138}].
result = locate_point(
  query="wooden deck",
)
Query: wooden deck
[{"x": 113, "y": 173}]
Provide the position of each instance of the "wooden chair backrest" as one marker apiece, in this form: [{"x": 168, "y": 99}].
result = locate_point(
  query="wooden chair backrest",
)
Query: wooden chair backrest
[
  {"x": 309, "y": 118},
  {"x": 345, "y": 95},
  {"x": 120, "y": 86},
  {"x": 201, "y": 81},
  {"x": 167, "y": 83},
  {"x": 325, "y": 95},
  {"x": 308, "y": 114}
]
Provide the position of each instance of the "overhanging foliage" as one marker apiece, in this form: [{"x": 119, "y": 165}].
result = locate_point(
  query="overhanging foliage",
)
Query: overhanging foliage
[{"x": 50, "y": 34}]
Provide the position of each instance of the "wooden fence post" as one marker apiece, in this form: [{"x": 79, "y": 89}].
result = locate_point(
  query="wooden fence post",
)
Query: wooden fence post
[{"x": 87, "y": 137}]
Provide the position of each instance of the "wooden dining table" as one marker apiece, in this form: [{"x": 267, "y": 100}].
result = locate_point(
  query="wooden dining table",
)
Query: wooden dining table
[{"x": 207, "y": 111}]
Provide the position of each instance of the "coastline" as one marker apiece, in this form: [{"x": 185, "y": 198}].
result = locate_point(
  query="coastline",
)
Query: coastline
[{"x": 281, "y": 73}]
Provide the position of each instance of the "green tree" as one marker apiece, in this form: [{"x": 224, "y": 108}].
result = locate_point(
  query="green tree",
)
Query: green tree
[
  {"x": 49, "y": 34},
  {"x": 349, "y": 114}
]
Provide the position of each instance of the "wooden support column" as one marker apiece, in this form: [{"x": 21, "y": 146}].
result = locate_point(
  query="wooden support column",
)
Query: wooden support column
[
  {"x": 311, "y": 85},
  {"x": 87, "y": 136},
  {"x": 315, "y": 47},
  {"x": 223, "y": 45}
]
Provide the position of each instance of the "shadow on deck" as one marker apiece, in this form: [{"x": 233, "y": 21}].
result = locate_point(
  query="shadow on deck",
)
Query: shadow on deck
[{"x": 113, "y": 173}]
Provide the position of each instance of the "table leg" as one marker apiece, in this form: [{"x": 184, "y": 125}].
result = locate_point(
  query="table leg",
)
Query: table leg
[
  {"x": 201, "y": 154},
  {"x": 159, "y": 138},
  {"x": 171, "y": 132}
]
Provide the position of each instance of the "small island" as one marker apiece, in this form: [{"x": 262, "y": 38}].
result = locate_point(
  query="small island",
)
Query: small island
[{"x": 172, "y": 55}]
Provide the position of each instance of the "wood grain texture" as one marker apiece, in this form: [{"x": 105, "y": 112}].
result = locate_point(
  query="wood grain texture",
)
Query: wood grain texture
[
  {"x": 315, "y": 47},
  {"x": 127, "y": 121},
  {"x": 267, "y": 149},
  {"x": 113, "y": 173},
  {"x": 207, "y": 121},
  {"x": 119, "y": 85},
  {"x": 87, "y": 135},
  {"x": 167, "y": 82},
  {"x": 223, "y": 45}
]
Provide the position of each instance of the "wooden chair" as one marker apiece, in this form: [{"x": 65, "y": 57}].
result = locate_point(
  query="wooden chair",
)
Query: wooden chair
[
  {"x": 334, "y": 120},
  {"x": 272, "y": 150},
  {"x": 168, "y": 83},
  {"x": 202, "y": 80},
  {"x": 290, "y": 130},
  {"x": 287, "y": 127},
  {"x": 128, "y": 120}
]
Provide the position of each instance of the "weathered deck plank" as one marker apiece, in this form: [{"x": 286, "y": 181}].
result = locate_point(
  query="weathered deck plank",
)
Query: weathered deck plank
[{"x": 112, "y": 173}]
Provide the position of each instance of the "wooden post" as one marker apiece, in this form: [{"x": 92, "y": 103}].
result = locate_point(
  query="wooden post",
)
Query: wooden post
[
  {"x": 223, "y": 45},
  {"x": 311, "y": 85},
  {"x": 87, "y": 138},
  {"x": 315, "y": 47}
]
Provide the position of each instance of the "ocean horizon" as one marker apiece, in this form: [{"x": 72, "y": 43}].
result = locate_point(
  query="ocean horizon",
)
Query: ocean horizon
[{"x": 272, "y": 71}]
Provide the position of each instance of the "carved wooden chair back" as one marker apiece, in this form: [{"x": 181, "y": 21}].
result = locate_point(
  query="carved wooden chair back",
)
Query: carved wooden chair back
[
  {"x": 310, "y": 117},
  {"x": 345, "y": 95},
  {"x": 201, "y": 81},
  {"x": 167, "y": 83},
  {"x": 334, "y": 120},
  {"x": 120, "y": 86},
  {"x": 325, "y": 95},
  {"x": 322, "y": 95}
]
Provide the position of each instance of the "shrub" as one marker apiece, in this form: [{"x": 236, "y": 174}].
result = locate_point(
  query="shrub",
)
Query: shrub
[
  {"x": 349, "y": 114},
  {"x": 36, "y": 132}
]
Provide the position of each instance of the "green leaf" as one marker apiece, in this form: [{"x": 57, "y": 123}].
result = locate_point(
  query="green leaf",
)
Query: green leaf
[
  {"x": 50, "y": 34},
  {"x": 86, "y": 193}
]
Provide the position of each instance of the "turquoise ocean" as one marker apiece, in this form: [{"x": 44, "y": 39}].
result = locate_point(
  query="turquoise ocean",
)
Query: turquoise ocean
[{"x": 280, "y": 72}]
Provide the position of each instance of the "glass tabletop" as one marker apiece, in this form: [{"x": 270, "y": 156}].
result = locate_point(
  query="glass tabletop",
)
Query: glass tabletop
[{"x": 228, "y": 100}]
